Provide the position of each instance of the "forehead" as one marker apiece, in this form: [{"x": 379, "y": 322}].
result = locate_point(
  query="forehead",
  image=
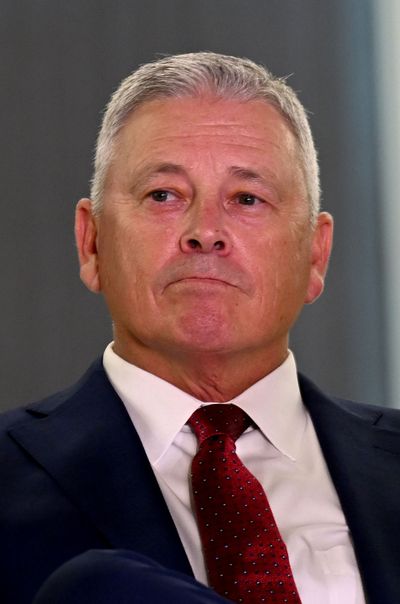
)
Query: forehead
[
  {"x": 192, "y": 115},
  {"x": 248, "y": 133}
]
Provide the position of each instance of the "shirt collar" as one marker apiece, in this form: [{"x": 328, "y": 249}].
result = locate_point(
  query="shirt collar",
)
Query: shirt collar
[
  {"x": 274, "y": 403},
  {"x": 159, "y": 409}
]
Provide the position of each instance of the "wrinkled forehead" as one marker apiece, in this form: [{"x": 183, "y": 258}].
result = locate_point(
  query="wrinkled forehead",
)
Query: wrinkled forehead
[{"x": 190, "y": 116}]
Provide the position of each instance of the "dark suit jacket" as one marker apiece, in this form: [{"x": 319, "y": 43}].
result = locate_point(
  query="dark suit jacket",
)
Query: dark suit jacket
[{"x": 74, "y": 476}]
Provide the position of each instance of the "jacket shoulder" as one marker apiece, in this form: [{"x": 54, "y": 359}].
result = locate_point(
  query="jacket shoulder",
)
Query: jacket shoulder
[
  {"x": 94, "y": 378},
  {"x": 386, "y": 417}
]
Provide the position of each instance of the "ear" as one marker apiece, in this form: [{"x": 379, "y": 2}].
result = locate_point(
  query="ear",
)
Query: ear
[
  {"x": 86, "y": 242},
  {"x": 320, "y": 252}
]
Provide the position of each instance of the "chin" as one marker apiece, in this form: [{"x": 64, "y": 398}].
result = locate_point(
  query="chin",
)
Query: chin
[
  {"x": 210, "y": 324},
  {"x": 206, "y": 346},
  {"x": 204, "y": 340}
]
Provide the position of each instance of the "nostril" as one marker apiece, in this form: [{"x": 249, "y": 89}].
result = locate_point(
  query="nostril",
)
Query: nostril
[{"x": 203, "y": 245}]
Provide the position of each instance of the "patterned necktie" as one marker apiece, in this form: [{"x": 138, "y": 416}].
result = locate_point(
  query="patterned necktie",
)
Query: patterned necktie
[{"x": 245, "y": 556}]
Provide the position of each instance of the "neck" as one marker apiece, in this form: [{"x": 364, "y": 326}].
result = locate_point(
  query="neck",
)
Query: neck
[{"x": 217, "y": 377}]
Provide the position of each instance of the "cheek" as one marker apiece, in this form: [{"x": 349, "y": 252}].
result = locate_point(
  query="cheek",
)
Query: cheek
[
  {"x": 283, "y": 272},
  {"x": 117, "y": 260},
  {"x": 130, "y": 257}
]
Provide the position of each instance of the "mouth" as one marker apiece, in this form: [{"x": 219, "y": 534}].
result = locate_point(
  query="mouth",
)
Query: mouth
[
  {"x": 200, "y": 280},
  {"x": 209, "y": 274}
]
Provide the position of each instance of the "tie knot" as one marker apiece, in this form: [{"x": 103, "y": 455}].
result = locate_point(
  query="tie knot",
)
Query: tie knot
[{"x": 221, "y": 418}]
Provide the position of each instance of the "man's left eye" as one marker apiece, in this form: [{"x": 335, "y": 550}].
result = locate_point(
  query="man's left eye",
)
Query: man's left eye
[
  {"x": 247, "y": 199},
  {"x": 160, "y": 195}
]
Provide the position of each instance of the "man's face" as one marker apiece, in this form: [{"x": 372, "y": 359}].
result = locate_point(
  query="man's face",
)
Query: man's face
[{"x": 204, "y": 243}]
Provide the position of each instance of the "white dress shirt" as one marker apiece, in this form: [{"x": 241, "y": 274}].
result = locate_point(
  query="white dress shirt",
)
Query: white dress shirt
[{"x": 283, "y": 452}]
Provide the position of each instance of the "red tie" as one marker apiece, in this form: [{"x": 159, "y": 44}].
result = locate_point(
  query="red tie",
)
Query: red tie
[{"x": 245, "y": 556}]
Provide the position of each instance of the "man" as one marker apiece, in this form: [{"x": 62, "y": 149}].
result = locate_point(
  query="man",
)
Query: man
[{"x": 204, "y": 235}]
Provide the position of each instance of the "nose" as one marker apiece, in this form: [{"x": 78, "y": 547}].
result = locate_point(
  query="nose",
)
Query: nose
[{"x": 205, "y": 233}]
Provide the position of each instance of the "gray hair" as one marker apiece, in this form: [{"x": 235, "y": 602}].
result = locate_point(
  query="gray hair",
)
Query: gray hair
[{"x": 195, "y": 74}]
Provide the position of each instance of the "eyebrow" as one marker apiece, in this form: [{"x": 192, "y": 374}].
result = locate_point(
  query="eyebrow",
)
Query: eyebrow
[
  {"x": 170, "y": 168},
  {"x": 246, "y": 174},
  {"x": 162, "y": 168}
]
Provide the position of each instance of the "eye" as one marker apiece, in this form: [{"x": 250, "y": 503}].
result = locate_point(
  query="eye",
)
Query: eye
[
  {"x": 161, "y": 196},
  {"x": 247, "y": 199}
]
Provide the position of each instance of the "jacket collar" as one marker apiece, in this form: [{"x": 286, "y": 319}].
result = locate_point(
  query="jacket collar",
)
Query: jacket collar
[
  {"x": 85, "y": 440},
  {"x": 361, "y": 445}
]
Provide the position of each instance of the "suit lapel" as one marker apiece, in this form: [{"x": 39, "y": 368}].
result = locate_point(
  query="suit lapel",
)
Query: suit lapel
[
  {"x": 363, "y": 457},
  {"x": 91, "y": 449}
]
